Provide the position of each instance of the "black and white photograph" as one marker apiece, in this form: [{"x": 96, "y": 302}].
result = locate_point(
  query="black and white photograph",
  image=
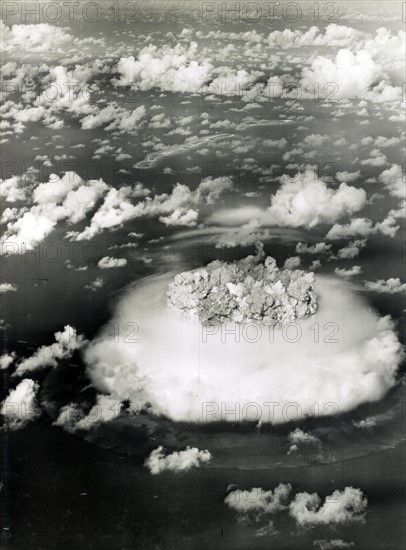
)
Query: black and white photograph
[{"x": 203, "y": 275}]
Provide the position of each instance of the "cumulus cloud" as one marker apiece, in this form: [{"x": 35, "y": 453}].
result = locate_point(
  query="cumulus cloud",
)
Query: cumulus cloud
[
  {"x": 394, "y": 181},
  {"x": 352, "y": 73},
  {"x": 69, "y": 416},
  {"x": 362, "y": 69},
  {"x": 38, "y": 38},
  {"x": 108, "y": 262},
  {"x": 178, "y": 208},
  {"x": 7, "y": 287},
  {"x": 6, "y": 360},
  {"x": 348, "y": 273},
  {"x": 178, "y": 461},
  {"x": 259, "y": 501},
  {"x": 292, "y": 262},
  {"x": 105, "y": 409},
  {"x": 298, "y": 438},
  {"x": 390, "y": 286},
  {"x": 230, "y": 82},
  {"x": 61, "y": 198},
  {"x": 169, "y": 69},
  {"x": 174, "y": 356},
  {"x": 352, "y": 249},
  {"x": 333, "y": 36},
  {"x": 66, "y": 342},
  {"x": 356, "y": 227},
  {"x": 348, "y": 177},
  {"x": 317, "y": 248},
  {"x": 365, "y": 423},
  {"x": 115, "y": 117},
  {"x": 307, "y": 201},
  {"x": 340, "y": 507},
  {"x": 20, "y": 406},
  {"x": 66, "y": 92},
  {"x": 72, "y": 417},
  {"x": 13, "y": 190},
  {"x": 363, "y": 227}
]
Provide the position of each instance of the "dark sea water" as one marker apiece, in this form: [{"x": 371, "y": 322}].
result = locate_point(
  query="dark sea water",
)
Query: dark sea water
[{"x": 60, "y": 492}]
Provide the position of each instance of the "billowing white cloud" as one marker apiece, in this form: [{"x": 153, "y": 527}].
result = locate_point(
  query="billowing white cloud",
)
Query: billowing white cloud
[
  {"x": 115, "y": 117},
  {"x": 12, "y": 190},
  {"x": 232, "y": 83},
  {"x": 108, "y": 262},
  {"x": 169, "y": 69},
  {"x": 338, "y": 508},
  {"x": 260, "y": 501},
  {"x": 365, "y": 423},
  {"x": 394, "y": 181},
  {"x": 356, "y": 227},
  {"x": 363, "y": 227},
  {"x": 358, "y": 73},
  {"x": 20, "y": 406},
  {"x": 6, "y": 360},
  {"x": 353, "y": 74},
  {"x": 178, "y": 461},
  {"x": 352, "y": 249},
  {"x": 69, "y": 416},
  {"x": 177, "y": 208},
  {"x": 348, "y": 177},
  {"x": 65, "y": 344},
  {"x": 61, "y": 198},
  {"x": 38, "y": 38},
  {"x": 7, "y": 287},
  {"x": 307, "y": 201},
  {"x": 292, "y": 263},
  {"x": 180, "y": 217},
  {"x": 298, "y": 438},
  {"x": 348, "y": 273},
  {"x": 334, "y": 36},
  {"x": 316, "y": 248},
  {"x": 392, "y": 286},
  {"x": 105, "y": 409}
]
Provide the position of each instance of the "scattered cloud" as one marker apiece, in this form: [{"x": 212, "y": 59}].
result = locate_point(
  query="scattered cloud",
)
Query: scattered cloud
[
  {"x": 338, "y": 508},
  {"x": 348, "y": 273},
  {"x": 166, "y": 68},
  {"x": 352, "y": 249},
  {"x": 259, "y": 502},
  {"x": 7, "y": 359},
  {"x": 307, "y": 201},
  {"x": 66, "y": 342},
  {"x": 20, "y": 406},
  {"x": 95, "y": 285},
  {"x": 7, "y": 287},
  {"x": 178, "y": 461},
  {"x": 108, "y": 262},
  {"x": 390, "y": 286}
]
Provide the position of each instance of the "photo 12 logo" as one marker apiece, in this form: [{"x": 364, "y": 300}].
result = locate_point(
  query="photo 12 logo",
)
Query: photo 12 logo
[
  {"x": 269, "y": 412},
  {"x": 70, "y": 12},
  {"x": 254, "y": 12},
  {"x": 253, "y": 332}
]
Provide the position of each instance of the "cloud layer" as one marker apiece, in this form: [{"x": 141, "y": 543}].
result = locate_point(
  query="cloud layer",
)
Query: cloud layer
[{"x": 178, "y": 461}]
